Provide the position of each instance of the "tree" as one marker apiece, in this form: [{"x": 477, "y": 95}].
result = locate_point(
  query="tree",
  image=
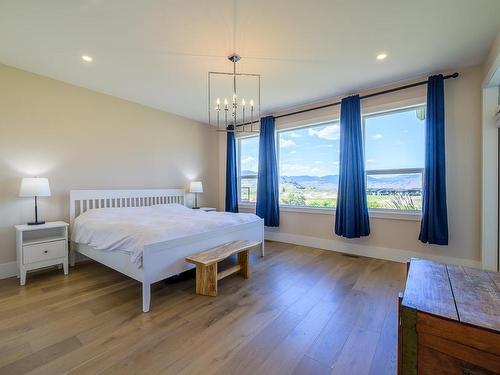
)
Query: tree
[{"x": 295, "y": 199}]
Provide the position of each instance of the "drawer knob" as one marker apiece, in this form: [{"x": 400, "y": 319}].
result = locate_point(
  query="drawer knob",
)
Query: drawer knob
[{"x": 45, "y": 251}]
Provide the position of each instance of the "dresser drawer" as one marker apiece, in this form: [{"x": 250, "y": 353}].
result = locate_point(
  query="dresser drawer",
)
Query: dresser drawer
[
  {"x": 432, "y": 362},
  {"x": 43, "y": 251}
]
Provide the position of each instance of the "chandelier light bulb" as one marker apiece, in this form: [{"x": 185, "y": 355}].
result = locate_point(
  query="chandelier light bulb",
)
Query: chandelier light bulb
[
  {"x": 243, "y": 102},
  {"x": 218, "y": 101},
  {"x": 225, "y": 103},
  {"x": 251, "y": 103}
]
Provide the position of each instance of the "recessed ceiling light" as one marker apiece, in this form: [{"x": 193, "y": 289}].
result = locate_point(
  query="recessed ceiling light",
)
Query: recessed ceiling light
[
  {"x": 86, "y": 58},
  {"x": 381, "y": 56}
]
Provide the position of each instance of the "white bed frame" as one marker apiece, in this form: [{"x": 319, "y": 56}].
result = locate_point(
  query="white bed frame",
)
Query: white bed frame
[{"x": 162, "y": 259}]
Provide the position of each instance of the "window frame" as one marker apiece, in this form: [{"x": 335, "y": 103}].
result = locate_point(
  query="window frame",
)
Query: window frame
[
  {"x": 292, "y": 207},
  {"x": 390, "y": 211},
  {"x": 238, "y": 170}
]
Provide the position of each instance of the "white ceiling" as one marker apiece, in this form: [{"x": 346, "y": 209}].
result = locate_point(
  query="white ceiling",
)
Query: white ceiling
[{"x": 158, "y": 52}]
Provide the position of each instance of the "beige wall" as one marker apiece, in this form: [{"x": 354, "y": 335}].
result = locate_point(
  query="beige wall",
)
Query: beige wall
[
  {"x": 463, "y": 142},
  {"x": 81, "y": 139},
  {"x": 492, "y": 63}
]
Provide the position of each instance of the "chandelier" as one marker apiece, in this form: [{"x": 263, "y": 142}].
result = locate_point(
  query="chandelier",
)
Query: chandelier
[{"x": 234, "y": 100}]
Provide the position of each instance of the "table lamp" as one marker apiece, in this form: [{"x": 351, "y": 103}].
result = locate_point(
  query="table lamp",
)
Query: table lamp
[
  {"x": 35, "y": 187},
  {"x": 196, "y": 187}
]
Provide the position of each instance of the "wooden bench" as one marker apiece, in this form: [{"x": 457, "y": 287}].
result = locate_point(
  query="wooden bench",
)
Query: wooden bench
[{"x": 206, "y": 264}]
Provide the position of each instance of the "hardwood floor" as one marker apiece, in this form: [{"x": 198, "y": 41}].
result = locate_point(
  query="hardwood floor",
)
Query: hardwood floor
[{"x": 303, "y": 311}]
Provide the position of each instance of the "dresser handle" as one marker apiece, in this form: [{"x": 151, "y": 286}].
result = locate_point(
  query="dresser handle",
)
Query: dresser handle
[{"x": 45, "y": 251}]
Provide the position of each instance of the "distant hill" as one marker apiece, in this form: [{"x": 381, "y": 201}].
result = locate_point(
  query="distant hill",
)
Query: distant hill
[
  {"x": 329, "y": 179},
  {"x": 247, "y": 173},
  {"x": 395, "y": 182}
]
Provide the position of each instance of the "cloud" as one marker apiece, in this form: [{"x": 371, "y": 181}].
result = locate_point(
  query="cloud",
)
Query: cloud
[
  {"x": 248, "y": 159},
  {"x": 249, "y": 163},
  {"x": 315, "y": 171},
  {"x": 286, "y": 143},
  {"x": 293, "y": 152},
  {"x": 377, "y": 136},
  {"x": 331, "y": 132},
  {"x": 289, "y": 169},
  {"x": 295, "y": 169},
  {"x": 294, "y": 135}
]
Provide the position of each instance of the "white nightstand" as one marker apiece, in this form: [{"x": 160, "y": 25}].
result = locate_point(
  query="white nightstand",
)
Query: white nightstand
[
  {"x": 41, "y": 246},
  {"x": 208, "y": 209}
]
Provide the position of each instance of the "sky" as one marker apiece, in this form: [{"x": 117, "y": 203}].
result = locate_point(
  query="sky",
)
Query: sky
[{"x": 392, "y": 140}]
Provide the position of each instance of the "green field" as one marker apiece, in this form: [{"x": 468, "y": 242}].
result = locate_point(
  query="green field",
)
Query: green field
[{"x": 317, "y": 197}]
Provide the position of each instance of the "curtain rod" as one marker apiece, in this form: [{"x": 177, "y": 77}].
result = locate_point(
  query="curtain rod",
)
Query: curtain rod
[
  {"x": 454, "y": 75},
  {"x": 404, "y": 87}
]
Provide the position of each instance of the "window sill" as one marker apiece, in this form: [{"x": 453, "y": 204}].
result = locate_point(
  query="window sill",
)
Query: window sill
[
  {"x": 395, "y": 215},
  {"x": 246, "y": 205},
  {"x": 309, "y": 210},
  {"x": 373, "y": 213}
]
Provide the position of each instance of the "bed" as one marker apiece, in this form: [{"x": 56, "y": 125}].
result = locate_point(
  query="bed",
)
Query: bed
[{"x": 165, "y": 257}]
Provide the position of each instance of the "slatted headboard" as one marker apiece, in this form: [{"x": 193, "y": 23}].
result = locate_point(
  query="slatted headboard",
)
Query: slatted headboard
[{"x": 83, "y": 200}]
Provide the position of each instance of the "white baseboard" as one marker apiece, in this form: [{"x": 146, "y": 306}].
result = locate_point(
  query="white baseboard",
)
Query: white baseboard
[
  {"x": 8, "y": 270},
  {"x": 396, "y": 255}
]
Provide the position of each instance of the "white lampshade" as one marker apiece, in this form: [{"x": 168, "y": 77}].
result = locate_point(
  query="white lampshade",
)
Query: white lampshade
[
  {"x": 34, "y": 187},
  {"x": 196, "y": 187}
]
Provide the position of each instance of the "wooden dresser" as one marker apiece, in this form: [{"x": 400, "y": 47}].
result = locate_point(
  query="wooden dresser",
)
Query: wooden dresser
[{"x": 449, "y": 320}]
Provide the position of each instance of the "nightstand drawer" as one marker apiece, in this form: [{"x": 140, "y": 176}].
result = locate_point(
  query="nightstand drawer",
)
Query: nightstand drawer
[{"x": 43, "y": 251}]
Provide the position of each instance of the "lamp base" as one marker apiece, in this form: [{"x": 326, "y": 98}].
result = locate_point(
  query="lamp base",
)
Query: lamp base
[{"x": 36, "y": 223}]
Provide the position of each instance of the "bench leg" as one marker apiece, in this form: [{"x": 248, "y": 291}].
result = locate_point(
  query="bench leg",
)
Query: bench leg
[
  {"x": 206, "y": 280},
  {"x": 262, "y": 250},
  {"x": 244, "y": 262}
]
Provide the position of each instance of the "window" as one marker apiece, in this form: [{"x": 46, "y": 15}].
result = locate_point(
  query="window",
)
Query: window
[
  {"x": 308, "y": 160},
  {"x": 248, "y": 152},
  {"x": 394, "y": 158}
]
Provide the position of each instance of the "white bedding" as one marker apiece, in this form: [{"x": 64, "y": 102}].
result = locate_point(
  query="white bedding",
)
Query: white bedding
[{"x": 130, "y": 229}]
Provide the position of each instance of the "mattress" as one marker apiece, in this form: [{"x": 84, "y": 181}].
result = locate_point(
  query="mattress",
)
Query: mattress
[{"x": 130, "y": 229}]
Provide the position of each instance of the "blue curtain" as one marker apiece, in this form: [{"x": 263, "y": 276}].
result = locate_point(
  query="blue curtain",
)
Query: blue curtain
[
  {"x": 231, "y": 173},
  {"x": 434, "y": 226},
  {"x": 267, "y": 184},
  {"x": 351, "y": 217}
]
